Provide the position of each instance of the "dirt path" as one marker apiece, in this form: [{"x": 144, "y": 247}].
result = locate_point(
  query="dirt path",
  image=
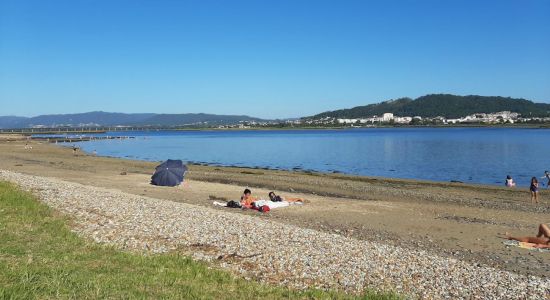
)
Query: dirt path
[{"x": 449, "y": 219}]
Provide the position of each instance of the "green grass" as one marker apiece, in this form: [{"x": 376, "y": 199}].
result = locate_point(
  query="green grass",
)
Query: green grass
[{"x": 40, "y": 258}]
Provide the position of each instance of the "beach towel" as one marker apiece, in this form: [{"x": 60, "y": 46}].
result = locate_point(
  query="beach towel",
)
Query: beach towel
[
  {"x": 260, "y": 203},
  {"x": 271, "y": 204},
  {"x": 524, "y": 245},
  {"x": 230, "y": 204},
  {"x": 278, "y": 204}
]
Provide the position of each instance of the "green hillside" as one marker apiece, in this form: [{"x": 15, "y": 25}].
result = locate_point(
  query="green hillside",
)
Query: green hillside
[{"x": 445, "y": 105}]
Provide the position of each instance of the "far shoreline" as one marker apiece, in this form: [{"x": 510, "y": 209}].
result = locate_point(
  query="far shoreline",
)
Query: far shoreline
[{"x": 106, "y": 129}]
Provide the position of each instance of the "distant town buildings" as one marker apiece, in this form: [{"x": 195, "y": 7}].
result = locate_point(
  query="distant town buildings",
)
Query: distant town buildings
[{"x": 389, "y": 118}]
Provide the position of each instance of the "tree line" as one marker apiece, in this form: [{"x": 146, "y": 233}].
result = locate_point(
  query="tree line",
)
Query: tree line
[{"x": 444, "y": 105}]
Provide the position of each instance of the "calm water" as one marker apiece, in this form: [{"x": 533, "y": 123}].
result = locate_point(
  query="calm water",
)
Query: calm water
[{"x": 473, "y": 155}]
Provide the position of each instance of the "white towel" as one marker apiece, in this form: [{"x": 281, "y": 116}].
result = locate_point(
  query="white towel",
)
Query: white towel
[{"x": 271, "y": 204}]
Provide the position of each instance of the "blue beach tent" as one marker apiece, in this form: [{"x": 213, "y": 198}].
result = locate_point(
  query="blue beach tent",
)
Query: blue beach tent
[{"x": 169, "y": 173}]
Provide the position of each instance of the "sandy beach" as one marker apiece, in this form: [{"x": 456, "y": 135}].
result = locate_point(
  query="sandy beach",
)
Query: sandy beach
[{"x": 448, "y": 220}]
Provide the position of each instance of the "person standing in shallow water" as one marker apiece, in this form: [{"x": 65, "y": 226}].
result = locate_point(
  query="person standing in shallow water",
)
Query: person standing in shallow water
[
  {"x": 534, "y": 188},
  {"x": 547, "y": 176},
  {"x": 509, "y": 181}
]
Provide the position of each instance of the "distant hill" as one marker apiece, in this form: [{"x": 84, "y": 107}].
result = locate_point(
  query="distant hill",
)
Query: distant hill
[
  {"x": 120, "y": 119},
  {"x": 186, "y": 119},
  {"x": 445, "y": 105},
  {"x": 96, "y": 117},
  {"x": 11, "y": 121}
]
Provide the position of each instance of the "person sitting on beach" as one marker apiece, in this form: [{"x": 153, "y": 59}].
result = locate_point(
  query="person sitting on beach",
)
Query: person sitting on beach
[
  {"x": 276, "y": 198},
  {"x": 509, "y": 181},
  {"x": 247, "y": 199},
  {"x": 534, "y": 188},
  {"x": 542, "y": 240}
]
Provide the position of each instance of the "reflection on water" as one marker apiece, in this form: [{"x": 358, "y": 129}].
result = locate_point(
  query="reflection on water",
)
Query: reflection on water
[{"x": 477, "y": 155}]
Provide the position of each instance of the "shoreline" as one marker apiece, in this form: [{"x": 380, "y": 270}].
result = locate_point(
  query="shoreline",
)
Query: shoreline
[
  {"x": 334, "y": 174},
  {"x": 454, "y": 178},
  {"x": 448, "y": 219},
  {"x": 232, "y": 169}
]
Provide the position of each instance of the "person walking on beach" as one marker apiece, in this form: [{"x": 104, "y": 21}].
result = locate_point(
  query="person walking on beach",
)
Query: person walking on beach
[
  {"x": 74, "y": 150},
  {"x": 534, "y": 188},
  {"x": 509, "y": 181},
  {"x": 542, "y": 240},
  {"x": 547, "y": 176}
]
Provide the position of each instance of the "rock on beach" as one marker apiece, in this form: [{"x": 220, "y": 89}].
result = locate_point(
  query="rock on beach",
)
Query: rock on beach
[{"x": 270, "y": 251}]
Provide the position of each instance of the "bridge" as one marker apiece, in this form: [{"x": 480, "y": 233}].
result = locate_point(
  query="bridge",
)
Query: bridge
[{"x": 84, "y": 130}]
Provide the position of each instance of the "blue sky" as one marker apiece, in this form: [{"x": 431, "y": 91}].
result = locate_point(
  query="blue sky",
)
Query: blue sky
[{"x": 265, "y": 58}]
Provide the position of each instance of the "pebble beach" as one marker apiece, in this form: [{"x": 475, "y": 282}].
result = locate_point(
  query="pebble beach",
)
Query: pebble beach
[{"x": 261, "y": 249}]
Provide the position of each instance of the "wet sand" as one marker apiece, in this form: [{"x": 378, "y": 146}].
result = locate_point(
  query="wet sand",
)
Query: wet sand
[{"x": 449, "y": 219}]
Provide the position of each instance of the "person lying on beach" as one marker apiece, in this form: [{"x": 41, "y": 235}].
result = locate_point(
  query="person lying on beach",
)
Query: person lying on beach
[
  {"x": 542, "y": 240},
  {"x": 276, "y": 198}
]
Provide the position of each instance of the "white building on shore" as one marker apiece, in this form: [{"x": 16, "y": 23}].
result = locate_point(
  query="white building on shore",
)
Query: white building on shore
[
  {"x": 402, "y": 120},
  {"x": 387, "y": 117}
]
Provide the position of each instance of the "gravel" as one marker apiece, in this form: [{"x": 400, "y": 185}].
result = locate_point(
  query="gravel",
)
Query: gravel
[{"x": 268, "y": 251}]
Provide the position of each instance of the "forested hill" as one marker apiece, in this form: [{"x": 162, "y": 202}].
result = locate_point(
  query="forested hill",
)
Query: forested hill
[{"x": 445, "y": 105}]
